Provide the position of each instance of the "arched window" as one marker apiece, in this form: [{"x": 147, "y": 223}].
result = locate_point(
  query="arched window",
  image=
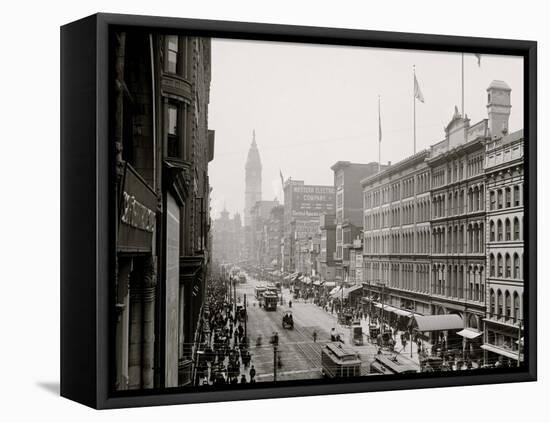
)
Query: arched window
[
  {"x": 493, "y": 200},
  {"x": 516, "y": 229},
  {"x": 508, "y": 269},
  {"x": 499, "y": 303},
  {"x": 507, "y": 305},
  {"x": 492, "y": 264},
  {"x": 499, "y": 199},
  {"x": 516, "y": 266},
  {"x": 492, "y": 303},
  {"x": 499, "y": 265},
  {"x": 499, "y": 230},
  {"x": 507, "y": 230}
]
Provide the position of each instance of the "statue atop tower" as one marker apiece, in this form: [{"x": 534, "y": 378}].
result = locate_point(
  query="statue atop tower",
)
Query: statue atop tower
[{"x": 253, "y": 179}]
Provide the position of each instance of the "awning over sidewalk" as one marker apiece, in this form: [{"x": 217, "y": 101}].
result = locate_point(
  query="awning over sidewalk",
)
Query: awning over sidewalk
[
  {"x": 501, "y": 351},
  {"x": 393, "y": 309},
  {"x": 469, "y": 333},
  {"x": 334, "y": 291},
  {"x": 437, "y": 322},
  {"x": 330, "y": 284},
  {"x": 351, "y": 289}
]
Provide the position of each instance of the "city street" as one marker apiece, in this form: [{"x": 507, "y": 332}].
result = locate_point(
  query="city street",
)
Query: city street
[{"x": 300, "y": 356}]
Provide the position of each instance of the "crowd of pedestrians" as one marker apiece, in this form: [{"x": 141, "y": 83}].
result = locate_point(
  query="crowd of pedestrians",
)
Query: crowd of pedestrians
[{"x": 225, "y": 357}]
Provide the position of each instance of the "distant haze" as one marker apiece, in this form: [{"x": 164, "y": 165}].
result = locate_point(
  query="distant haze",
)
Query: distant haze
[{"x": 312, "y": 105}]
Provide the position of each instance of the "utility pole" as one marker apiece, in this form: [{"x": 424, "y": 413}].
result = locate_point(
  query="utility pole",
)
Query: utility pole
[
  {"x": 245, "y": 318},
  {"x": 274, "y": 363}
]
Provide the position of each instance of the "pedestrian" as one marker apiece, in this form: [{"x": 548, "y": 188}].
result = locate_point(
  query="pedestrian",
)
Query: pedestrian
[
  {"x": 289, "y": 303},
  {"x": 314, "y": 336},
  {"x": 252, "y": 374},
  {"x": 243, "y": 378}
]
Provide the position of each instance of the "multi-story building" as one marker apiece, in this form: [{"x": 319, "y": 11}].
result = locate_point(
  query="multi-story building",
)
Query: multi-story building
[
  {"x": 327, "y": 267},
  {"x": 304, "y": 204},
  {"x": 259, "y": 217},
  {"x": 273, "y": 229},
  {"x": 458, "y": 222},
  {"x": 163, "y": 147},
  {"x": 431, "y": 231},
  {"x": 505, "y": 238},
  {"x": 396, "y": 240},
  {"x": 227, "y": 236},
  {"x": 349, "y": 210}
]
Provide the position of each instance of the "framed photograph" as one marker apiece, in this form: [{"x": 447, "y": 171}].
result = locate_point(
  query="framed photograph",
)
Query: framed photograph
[{"x": 259, "y": 211}]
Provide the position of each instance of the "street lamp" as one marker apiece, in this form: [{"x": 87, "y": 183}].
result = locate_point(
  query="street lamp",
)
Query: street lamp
[{"x": 382, "y": 285}]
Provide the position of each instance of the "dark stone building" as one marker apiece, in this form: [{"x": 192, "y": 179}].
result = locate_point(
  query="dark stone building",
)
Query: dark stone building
[{"x": 163, "y": 146}]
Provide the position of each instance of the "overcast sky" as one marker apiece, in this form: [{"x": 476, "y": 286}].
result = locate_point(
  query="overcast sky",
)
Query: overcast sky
[{"x": 313, "y": 105}]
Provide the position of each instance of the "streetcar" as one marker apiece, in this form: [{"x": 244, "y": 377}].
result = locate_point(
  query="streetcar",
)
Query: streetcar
[
  {"x": 339, "y": 360},
  {"x": 392, "y": 365},
  {"x": 259, "y": 291},
  {"x": 270, "y": 300},
  {"x": 242, "y": 277}
]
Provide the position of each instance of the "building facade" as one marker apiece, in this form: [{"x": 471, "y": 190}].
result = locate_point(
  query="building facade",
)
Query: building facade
[
  {"x": 396, "y": 240},
  {"x": 259, "y": 218},
  {"x": 304, "y": 205},
  {"x": 349, "y": 207},
  {"x": 163, "y": 147},
  {"x": 458, "y": 255},
  {"x": 504, "y": 172},
  {"x": 443, "y": 229},
  {"x": 327, "y": 247},
  {"x": 227, "y": 233}
]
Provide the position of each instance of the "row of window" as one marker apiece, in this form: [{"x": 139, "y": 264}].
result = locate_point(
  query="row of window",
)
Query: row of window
[
  {"x": 503, "y": 198},
  {"x": 457, "y": 171},
  {"x": 459, "y": 202},
  {"x": 459, "y": 239},
  {"x": 412, "y": 212},
  {"x": 507, "y": 231},
  {"x": 459, "y": 281},
  {"x": 505, "y": 304},
  {"x": 409, "y": 242},
  {"x": 505, "y": 265},
  {"x": 407, "y": 188}
]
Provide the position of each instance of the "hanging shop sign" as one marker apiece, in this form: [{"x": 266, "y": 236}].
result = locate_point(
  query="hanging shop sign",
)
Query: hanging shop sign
[{"x": 137, "y": 221}]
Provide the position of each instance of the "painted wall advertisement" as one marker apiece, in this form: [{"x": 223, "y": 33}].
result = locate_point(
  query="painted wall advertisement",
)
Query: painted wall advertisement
[{"x": 311, "y": 201}]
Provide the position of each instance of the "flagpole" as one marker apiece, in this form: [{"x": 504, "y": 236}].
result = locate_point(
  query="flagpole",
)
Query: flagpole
[
  {"x": 414, "y": 109},
  {"x": 462, "y": 85},
  {"x": 379, "y": 139}
]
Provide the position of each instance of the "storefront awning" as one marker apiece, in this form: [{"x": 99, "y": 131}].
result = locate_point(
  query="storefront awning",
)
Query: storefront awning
[
  {"x": 393, "y": 309},
  {"x": 351, "y": 289},
  {"x": 330, "y": 284},
  {"x": 334, "y": 290},
  {"x": 501, "y": 351},
  {"x": 437, "y": 322},
  {"x": 469, "y": 333},
  {"x": 317, "y": 283}
]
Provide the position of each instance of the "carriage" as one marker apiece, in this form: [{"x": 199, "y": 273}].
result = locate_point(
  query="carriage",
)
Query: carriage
[{"x": 288, "y": 321}]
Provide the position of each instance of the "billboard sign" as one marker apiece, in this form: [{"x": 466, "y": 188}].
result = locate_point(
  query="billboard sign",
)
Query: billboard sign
[{"x": 311, "y": 201}]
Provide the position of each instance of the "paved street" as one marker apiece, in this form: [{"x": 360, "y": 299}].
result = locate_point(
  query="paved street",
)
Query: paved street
[{"x": 300, "y": 355}]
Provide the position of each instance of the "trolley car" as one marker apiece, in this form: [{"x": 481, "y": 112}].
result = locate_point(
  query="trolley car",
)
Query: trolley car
[
  {"x": 259, "y": 291},
  {"x": 339, "y": 360},
  {"x": 392, "y": 365},
  {"x": 270, "y": 300}
]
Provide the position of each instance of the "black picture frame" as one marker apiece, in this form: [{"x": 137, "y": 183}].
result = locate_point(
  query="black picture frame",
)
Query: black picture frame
[{"x": 86, "y": 250}]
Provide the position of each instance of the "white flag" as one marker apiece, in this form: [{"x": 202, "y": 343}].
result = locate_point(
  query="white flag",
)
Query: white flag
[
  {"x": 417, "y": 92},
  {"x": 478, "y": 56}
]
